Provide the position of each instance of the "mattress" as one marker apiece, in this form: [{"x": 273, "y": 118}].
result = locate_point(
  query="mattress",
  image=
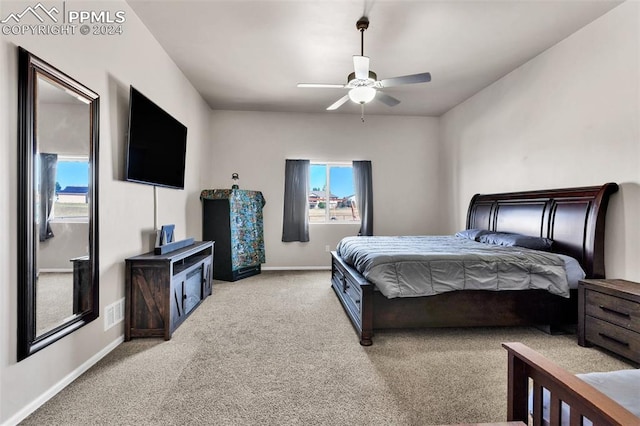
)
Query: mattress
[{"x": 414, "y": 266}]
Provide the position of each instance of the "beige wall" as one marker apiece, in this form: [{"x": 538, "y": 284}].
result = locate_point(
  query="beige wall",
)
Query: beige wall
[
  {"x": 71, "y": 240},
  {"x": 107, "y": 65},
  {"x": 403, "y": 151},
  {"x": 569, "y": 117},
  {"x": 63, "y": 128}
]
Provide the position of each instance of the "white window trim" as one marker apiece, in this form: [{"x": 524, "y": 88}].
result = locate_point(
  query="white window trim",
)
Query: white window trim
[
  {"x": 327, "y": 219},
  {"x": 69, "y": 220}
]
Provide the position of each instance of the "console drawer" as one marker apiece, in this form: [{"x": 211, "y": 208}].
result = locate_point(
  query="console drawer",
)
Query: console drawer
[
  {"x": 613, "y": 309},
  {"x": 615, "y": 338}
]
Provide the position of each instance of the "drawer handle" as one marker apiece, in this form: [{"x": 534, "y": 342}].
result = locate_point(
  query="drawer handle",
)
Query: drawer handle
[
  {"x": 613, "y": 311},
  {"x": 613, "y": 339},
  {"x": 345, "y": 286}
]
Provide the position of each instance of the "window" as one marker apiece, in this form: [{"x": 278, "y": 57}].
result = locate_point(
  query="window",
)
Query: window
[
  {"x": 72, "y": 189},
  {"x": 332, "y": 194}
]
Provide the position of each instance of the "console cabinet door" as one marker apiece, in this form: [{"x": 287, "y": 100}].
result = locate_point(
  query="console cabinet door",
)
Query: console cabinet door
[
  {"x": 207, "y": 277},
  {"x": 148, "y": 300},
  {"x": 178, "y": 312},
  {"x": 188, "y": 289},
  {"x": 193, "y": 288}
]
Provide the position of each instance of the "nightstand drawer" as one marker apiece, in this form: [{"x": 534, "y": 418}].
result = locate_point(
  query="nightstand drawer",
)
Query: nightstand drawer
[
  {"x": 613, "y": 337},
  {"x": 613, "y": 309}
]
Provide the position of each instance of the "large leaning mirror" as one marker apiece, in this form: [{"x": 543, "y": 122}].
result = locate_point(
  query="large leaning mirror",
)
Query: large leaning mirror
[{"x": 57, "y": 204}]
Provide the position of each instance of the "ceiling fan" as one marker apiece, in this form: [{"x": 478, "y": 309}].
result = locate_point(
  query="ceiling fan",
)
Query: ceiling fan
[{"x": 363, "y": 84}]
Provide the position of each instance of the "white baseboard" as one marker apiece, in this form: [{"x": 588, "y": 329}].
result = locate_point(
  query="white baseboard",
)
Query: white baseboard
[
  {"x": 296, "y": 268},
  {"x": 51, "y": 392}
]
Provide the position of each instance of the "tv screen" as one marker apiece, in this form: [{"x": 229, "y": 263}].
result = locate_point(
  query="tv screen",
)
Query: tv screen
[{"x": 156, "y": 146}]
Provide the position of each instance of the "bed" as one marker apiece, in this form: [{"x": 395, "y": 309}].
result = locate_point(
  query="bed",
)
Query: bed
[
  {"x": 573, "y": 218},
  {"x": 558, "y": 397}
]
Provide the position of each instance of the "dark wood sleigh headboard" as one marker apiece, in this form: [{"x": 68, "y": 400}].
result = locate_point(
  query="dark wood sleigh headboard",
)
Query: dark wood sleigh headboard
[{"x": 574, "y": 218}]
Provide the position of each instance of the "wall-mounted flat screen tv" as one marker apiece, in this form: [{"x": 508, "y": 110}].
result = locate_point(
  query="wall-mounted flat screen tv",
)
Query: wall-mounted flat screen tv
[{"x": 156, "y": 144}]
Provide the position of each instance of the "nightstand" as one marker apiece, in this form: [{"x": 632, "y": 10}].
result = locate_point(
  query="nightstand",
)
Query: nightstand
[{"x": 609, "y": 316}]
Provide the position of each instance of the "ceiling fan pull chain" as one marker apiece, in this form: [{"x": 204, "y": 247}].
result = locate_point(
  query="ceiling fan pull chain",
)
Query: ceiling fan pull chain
[{"x": 362, "y": 112}]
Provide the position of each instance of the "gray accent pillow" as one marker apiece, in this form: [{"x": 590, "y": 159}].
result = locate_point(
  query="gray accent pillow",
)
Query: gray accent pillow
[
  {"x": 511, "y": 239},
  {"x": 472, "y": 234}
]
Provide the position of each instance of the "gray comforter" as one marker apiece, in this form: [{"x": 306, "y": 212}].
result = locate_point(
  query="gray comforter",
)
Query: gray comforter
[{"x": 412, "y": 266}]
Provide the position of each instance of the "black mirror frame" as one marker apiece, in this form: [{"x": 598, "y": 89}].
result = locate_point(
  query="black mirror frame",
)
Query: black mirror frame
[{"x": 29, "y": 67}]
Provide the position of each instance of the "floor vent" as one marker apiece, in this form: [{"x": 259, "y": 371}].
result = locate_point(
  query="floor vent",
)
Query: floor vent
[{"x": 113, "y": 314}]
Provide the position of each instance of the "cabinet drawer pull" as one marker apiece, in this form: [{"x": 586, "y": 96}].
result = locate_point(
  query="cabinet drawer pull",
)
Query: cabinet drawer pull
[
  {"x": 614, "y": 340},
  {"x": 613, "y": 311}
]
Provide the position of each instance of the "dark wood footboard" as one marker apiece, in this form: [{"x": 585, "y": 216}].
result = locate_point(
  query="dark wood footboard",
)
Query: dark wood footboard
[{"x": 583, "y": 399}]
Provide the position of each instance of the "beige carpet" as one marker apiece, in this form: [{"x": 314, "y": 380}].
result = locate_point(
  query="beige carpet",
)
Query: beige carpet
[
  {"x": 54, "y": 300},
  {"x": 277, "y": 349}
]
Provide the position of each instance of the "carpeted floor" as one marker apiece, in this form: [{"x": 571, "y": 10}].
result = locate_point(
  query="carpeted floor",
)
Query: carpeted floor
[
  {"x": 277, "y": 349},
  {"x": 54, "y": 300}
]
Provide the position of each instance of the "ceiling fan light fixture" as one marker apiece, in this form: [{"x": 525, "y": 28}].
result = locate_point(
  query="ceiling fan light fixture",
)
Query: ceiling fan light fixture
[
  {"x": 362, "y": 95},
  {"x": 363, "y": 84}
]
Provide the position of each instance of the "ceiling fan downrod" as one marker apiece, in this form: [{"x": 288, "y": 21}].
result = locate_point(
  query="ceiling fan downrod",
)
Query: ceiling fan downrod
[{"x": 362, "y": 25}]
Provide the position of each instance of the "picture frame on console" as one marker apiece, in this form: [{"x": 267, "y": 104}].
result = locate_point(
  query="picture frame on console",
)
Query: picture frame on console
[
  {"x": 166, "y": 234},
  {"x": 165, "y": 240}
]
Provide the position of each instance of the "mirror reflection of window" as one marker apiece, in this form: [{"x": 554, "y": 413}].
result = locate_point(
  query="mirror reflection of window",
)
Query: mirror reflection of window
[{"x": 71, "y": 189}]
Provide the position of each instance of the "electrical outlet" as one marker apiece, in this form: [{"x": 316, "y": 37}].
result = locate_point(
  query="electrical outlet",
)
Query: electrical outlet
[{"x": 327, "y": 248}]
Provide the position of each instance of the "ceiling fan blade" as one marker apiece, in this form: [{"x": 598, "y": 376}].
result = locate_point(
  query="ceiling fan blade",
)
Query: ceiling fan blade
[
  {"x": 321, "y": 86},
  {"x": 361, "y": 67},
  {"x": 386, "y": 99},
  {"x": 337, "y": 104},
  {"x": 424, "y": 77}
]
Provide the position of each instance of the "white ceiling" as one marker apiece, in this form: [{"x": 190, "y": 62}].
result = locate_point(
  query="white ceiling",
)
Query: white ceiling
[{"x": 249, "y": 55}]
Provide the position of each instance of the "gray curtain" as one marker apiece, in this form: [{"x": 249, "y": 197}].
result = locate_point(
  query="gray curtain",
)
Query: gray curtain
[
  {"x": 295, "y": 225},
  {"x": 364, "y": 195},
  {"x": 48, "y": 165}
]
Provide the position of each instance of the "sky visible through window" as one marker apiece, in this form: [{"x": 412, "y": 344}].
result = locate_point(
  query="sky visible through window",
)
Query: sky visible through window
[
  {"x": 72, "y": 173},
  {"x": 341, "y": 179}
]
